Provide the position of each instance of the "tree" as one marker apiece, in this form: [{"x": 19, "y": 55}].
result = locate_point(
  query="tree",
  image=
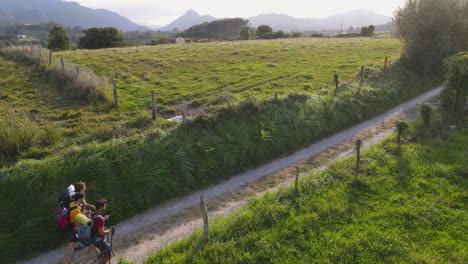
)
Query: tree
[
  {"x": 58, "y": 39},
  {"x": 455, "y": 93},
  {"x": 245, "y": 32},
  {"x": 279, "y": 34},
  {"x": 432, "y": 30},
  {"x": 263, "y": 29},
  {"x": 370, "y": 30},
  {"x": 101, "y": 38},
  {"x": 296, "y": 35}
]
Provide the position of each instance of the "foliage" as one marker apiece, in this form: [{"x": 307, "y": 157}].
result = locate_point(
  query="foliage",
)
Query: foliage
[
  {"x": 317, "y": 35},
  {"x": 228, "y": 28},
  {"x": 58, "y": 39},
  {"x": 455, "y": 92},
  {"x": 246, "y": 32},
  {"x": 425, "y": 111},
  {"x": 368, "y": 31},
  {"x": 159, "y": 41},
  {"x": 401, "y": 126},
  {"x": 296, "y": 35},
  {"x": 100, "y": 38},
  {"x": 432, "y": 30},
  {"x": 406, "y": 208},
  {"x": 262, "y": 30},
  {"x": 279, "y": 34}
]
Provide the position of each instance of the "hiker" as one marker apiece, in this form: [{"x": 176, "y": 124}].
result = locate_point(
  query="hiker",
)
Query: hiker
[
  {"x": 80, "y": 187},
  {"x": 99, "y": 231},
  {"x": 76, "y": 207}
]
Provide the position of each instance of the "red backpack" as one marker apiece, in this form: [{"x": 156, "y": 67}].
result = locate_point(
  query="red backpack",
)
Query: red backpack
[{"x": 63, "y": 218}]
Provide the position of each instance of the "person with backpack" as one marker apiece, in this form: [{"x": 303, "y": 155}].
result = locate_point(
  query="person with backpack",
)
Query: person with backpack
[
  {"x": 80, "y": 187},
  {"x": 99, "y": 231},
  {"x": 76, "y": 208}
]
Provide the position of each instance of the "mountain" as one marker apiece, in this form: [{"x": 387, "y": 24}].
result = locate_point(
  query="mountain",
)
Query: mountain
[
  {"x": 357, "y": 18},
  {"x": 66, "y": 13},
  {"x": 190, "y": 18}
]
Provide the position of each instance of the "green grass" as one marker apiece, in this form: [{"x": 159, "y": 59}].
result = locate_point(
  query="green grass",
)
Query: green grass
[
  {"x": 406, "y": 205},
  {"x": 209, "y": 71},
  {"x": 136, "y": 163}
]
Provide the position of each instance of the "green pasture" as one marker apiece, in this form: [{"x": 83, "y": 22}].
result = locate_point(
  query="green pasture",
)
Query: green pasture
[
  {"x": 211, "y": 72},
  {"x": 406, "y": 205}
]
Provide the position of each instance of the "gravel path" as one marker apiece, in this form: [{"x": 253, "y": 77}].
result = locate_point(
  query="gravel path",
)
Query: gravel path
[{"x": 142, "y": 234}]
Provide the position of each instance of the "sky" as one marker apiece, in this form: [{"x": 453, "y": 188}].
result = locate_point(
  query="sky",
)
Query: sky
[{"x": 162, "y": 12}]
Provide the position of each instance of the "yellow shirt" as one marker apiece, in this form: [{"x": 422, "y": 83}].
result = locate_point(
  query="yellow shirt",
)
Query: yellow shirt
[{"x": 74, "y": 212}]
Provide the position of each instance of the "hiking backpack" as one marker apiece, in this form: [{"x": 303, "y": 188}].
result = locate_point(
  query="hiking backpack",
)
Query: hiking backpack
[
  {"x": 63, "y": 216},
  {"x": 84, "y": 233}
]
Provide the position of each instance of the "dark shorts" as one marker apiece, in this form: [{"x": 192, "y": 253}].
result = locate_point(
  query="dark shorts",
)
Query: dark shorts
[
  {"x": 104, "y": 247},
  {"x": 73, "y": 236}
]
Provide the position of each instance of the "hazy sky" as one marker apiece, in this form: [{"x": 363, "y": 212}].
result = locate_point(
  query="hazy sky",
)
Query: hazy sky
[{"x": 162, "y": 12}]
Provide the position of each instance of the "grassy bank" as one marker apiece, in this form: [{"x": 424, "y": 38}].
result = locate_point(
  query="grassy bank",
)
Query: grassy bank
[
  {"x": 407, "y": 205},
  {"x": 206, "y": 73},
  {"x": 142, "y": 170}
]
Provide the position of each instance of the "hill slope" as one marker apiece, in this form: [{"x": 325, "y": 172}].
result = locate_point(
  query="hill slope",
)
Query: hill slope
[
  {"x": 357, "y": 18},
  {"x": 66, "y": 13},
  {"x": 190, "y": 18}
]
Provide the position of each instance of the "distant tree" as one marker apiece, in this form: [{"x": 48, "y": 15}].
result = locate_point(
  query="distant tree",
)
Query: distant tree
[
  {"x": 58, "y": 39},
  {"x": 245, "y": 32},
  {"x": 432, "y": 30},
  {"x": 370, "y": 30},
  {"x": 228, "y": 28},
  {"x": 263, "y": 29},
  {"x": 296, "y": 35},
  {"x": 101, "y": 38},
  {"x": 317, "y": 35},
  {"x": 363, "y": 31},
  {"x": 159, "y": 41},
  {"x": 279, "y": 34},
  {"x": 351, "y": 29}
]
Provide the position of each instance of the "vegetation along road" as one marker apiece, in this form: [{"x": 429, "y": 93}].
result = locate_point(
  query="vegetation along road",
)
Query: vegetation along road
[{"x": 126, "y": 239}]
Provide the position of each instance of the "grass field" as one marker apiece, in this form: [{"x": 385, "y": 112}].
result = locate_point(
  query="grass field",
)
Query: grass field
[
  {"x": 135, "y": 162},
  {"x": 204, "y": 73},
  {"x": 406, "y": 205}
]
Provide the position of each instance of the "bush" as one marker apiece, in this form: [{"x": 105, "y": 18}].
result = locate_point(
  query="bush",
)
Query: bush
[
  {"x": 453, "y": 97},
  {"x": 432, "y": 30}
]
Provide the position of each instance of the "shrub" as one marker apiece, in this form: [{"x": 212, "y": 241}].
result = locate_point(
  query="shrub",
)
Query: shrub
[{"x": 454, "y": 95}]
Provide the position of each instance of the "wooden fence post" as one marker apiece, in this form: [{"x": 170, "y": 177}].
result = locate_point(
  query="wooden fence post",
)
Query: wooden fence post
[
  {"x": 116, "y": 99},
  {"x": 62, "y": 63},
  {"x": 205, "y": 217},
  {"x": 153, "y": 104},
  {"x": 336, "y": 81},
  {"x": 358, "y": 154},
  {"x": 297, "y": 179},
  {"x": 362, "y": 74},
  {"x": 276, "y": 96},
  {"x": 50, "y": 56},
  {"x": 385, "y": 65},
  {"x": 184, "y": 112},
  {"x": 78, "y": 71},
  {"x": 32, "y": 47},
  {"x": 40, "y": 51}
]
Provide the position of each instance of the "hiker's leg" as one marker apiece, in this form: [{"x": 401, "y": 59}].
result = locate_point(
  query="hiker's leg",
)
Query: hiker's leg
[
  {"x": 105, "y": 251},
  {"x": 72, "y": 243},
  {"x": 95, "y": 249},
  {"x": 104, "y": 259},
  {"x": 70, "y": 246}
]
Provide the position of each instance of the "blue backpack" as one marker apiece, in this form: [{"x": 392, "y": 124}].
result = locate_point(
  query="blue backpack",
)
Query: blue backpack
[{"x": 84, "y": 233}]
